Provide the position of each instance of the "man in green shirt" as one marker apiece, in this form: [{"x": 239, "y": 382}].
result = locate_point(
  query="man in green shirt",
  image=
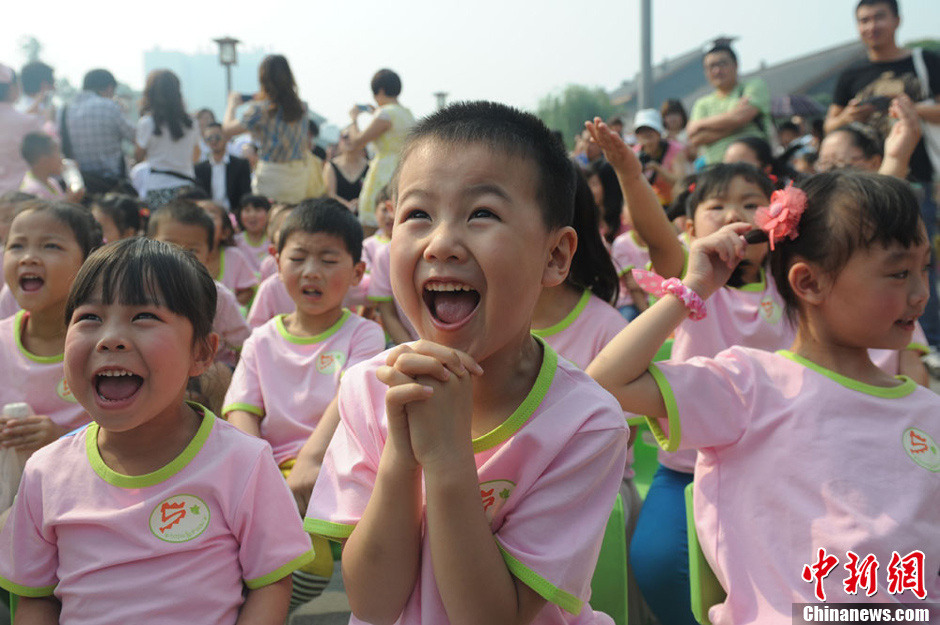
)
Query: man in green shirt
[{"x": 733, "y": 110}]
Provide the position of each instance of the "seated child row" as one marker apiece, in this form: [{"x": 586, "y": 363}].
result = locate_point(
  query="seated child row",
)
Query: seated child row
[{"x": 456, "y": 458}]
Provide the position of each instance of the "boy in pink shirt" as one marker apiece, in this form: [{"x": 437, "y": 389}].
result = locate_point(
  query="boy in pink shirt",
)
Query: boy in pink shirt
[
  {"x": 473, "y": 471},
  {"x": 44, "y": 157}
]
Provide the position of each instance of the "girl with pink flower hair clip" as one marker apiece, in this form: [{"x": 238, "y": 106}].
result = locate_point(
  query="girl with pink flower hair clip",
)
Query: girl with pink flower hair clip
[{"x": 812, "y": 450}]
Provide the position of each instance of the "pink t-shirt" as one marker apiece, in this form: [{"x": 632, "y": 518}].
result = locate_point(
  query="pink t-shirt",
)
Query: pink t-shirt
[
  {"x": 230, "y": 326},
  {"x": 36, "y": 380},
  {"x": 752, "y": 315},
  {"x": 889, "y": 360},
  {"x": 255, "y": 254},
  {"x": 289, "y": 380},
  {"x": 47, "y": 190},
  {"x": 380, "y": 287},
  {"x": 173, "y": 546},
  {"x": 268, "y": 267},
  {"x": 628, "y": 254},
  {"x": 581, "y": 336},
  {"x": 548, "y": 476},
  {"x": 8, "y": 304},
  {"x": 370, "y": 246},
  {"x": 235, "y": 271},
  {"x": 271, "y": 300},
  {"x": 794, "y": 458}
]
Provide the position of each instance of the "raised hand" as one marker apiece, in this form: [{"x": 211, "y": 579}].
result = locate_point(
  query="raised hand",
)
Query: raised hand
[
  {"x": 713, "y": 258},
  {"x": 617, "y": 153}
]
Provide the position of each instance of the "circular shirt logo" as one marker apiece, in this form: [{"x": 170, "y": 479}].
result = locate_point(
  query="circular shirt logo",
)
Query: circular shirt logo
[
  {"x": 330, "y": 362},
  {"x": 921, "y": 448},
  {"x": 62, "y": 390},
  {"x": 769, "y": 309},
  {"x": 179, "y": 518}
]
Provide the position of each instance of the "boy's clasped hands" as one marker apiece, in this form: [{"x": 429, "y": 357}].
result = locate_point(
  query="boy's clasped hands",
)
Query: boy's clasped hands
[{"x": 429, "y": 402}]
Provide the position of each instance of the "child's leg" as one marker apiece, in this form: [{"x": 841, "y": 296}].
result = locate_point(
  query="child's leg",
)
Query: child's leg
[{"x": 659, "y": 551}]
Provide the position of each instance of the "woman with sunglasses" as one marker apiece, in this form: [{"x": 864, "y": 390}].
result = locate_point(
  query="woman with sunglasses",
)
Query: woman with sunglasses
[{"x": 345, "y": 172}]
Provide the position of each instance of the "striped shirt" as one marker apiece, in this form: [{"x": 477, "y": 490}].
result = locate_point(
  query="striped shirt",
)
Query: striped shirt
[{"x": 278, "y": 141}]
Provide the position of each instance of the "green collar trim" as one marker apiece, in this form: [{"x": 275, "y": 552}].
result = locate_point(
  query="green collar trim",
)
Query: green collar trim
[
  {"x": 754, "y": 287},
  {"x": 309, "y": 340},
  {"x": 162, "y": 474},
  {"x": 532, "y": 401},
  {"x": 569, "y": 318},
  {"x": 221, "y": 264},
  {"x": 381, "y": 238},
  {"x": 19, "y": 325},
  {"x": 904, "y": 389},
  {"x": 258, "y": 244}
]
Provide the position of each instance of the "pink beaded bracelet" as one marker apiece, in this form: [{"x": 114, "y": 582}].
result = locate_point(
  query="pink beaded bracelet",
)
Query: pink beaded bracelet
[{"x": 655, "y": 285}]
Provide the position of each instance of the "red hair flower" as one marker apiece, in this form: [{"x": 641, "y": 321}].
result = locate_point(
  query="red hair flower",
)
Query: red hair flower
[
  {"x": 781, "y": 218},
  {"x": 692, "y": 188}
]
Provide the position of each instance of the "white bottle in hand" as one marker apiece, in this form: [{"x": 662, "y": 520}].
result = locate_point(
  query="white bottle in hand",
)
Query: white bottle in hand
[{"x": 11, "y": 460}]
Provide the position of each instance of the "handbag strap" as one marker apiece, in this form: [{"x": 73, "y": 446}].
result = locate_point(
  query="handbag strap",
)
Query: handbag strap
[{"x": 920, "y": 68}]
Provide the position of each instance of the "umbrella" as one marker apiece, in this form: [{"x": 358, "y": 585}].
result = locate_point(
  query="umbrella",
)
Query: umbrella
[{"x": 803, "y": 105}]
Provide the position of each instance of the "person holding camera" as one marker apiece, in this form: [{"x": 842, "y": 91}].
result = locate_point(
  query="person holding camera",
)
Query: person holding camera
[
  {"x": 390, "y": 125},
  {"x": 664, "y": 162},
  {"x": 277, "y": 120}
]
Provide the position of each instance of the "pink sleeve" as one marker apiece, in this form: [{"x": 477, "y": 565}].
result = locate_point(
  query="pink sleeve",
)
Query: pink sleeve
[
  {"x": 229, "y": 323},
  {"x": 708, "y": 400},
  {"x": 350, "y": 466},
  {"x": 368, "y": 341},
  {"x": 380, "y": 285},
  {"x": 272, "y": 542},
  {"x": 29, "y": 556},
  {"x": 575, "y": 492},
  {"x": 245, "y": 277},
  {"x": 244, "y": 392}
]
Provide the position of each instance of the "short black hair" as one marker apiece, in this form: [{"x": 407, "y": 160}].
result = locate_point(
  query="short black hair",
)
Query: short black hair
[
  {"x": 714, "y": 181},
  {"x": 193, "y": 194},
  {"x": 721, "y": 47},
  {"x": 98, "y": 80},
  {"x": 184, "y": 212},
  {"x": 788, "y": 126},
  {"x": 846, "y": 211},
  {"x": 33, "y": 75},
  {"x": 124, "y": 210},
  {"x": 509, "y": 131},
  {"x": 213, "y": 125},
  {"x": 138, "y": 271},
  {"x": 78, "y": 218},
  {"x": 388, "y": 81},
  {"x": 35, "y": 145},
  {"x": 258, "y": 201},
  {"x": 328, "y": 216},
  {"x": 313, "y": 129},
  {"x": 863, "y": 137},
  {"x": 892, "y": 4}
]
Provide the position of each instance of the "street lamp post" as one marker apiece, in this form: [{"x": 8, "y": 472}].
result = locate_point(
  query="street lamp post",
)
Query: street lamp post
[
  {"x": 228, "y": 56},
  {"x": 441, "y": 99}
]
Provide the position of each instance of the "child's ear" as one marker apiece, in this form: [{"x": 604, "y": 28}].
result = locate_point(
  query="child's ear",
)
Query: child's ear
[
  {"x": 690, "y": 226},
  {"x": 809, "y": 284},
  {"x": 203, "y": 354},
  {"x": 359, "y": 270},
  {"x": 564, "y": 245}
]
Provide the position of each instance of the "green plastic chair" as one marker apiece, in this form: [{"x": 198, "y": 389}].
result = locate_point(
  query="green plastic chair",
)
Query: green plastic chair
[
  {"x": 704, "y": 586},
  {"x": 645, "y": 459},
  {"x": 609, "y": 583}
]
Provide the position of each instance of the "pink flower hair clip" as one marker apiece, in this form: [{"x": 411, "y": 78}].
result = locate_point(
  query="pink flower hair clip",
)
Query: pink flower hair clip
[{"x": 782, "y": 218}]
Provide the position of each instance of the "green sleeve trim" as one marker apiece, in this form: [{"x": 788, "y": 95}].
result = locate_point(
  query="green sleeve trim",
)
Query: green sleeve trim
[
  {"x": 905, "y": 388},
  {"x": 176, "y": 465},
  {"x": 532, "y": 401},
  {"x": 668, "y": 443},
  {"x": 569, "y": 318},
  {"x": 258, "y": 412},
  {"x": 539, "y": 584},
  {"x": 19, "y": 324},
  {"x": 310, "y": 340},
  {"x": 378, "y": 298},
  {"x": 26, "y": 591},
  {"x": 328, "y": 529},
  {"x": 624, "y": 271},
  {"x": 918, "y": 347},
  {"x": 638, "y": 420},
  {"x": 281, "y": 572}
]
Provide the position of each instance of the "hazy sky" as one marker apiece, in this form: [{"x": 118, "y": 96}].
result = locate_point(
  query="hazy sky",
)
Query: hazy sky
[{"x": 515, "y": 51}]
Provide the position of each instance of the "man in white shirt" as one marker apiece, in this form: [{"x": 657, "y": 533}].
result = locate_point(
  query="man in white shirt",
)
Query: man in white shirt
[{"x": 224, "y": 177}]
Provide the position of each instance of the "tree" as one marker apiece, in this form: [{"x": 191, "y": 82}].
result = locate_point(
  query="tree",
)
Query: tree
[
  {"x": 567, "y": 111},
  {"x": 927, "y": 44}
]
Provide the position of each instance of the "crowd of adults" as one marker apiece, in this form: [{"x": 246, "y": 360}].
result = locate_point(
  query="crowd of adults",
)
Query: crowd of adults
[{"x": 265, "y": 143}]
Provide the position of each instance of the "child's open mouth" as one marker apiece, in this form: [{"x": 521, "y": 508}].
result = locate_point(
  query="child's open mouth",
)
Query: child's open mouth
[
  {"x": 31, "y": 283},
  {"x": 311, "y": 292},
  {"x": 117, "y": 385},
  {"x": 450, "y": 302}
]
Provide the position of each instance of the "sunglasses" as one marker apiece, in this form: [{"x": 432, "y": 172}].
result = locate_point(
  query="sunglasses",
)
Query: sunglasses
[{"x": 213, "y": 138}]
